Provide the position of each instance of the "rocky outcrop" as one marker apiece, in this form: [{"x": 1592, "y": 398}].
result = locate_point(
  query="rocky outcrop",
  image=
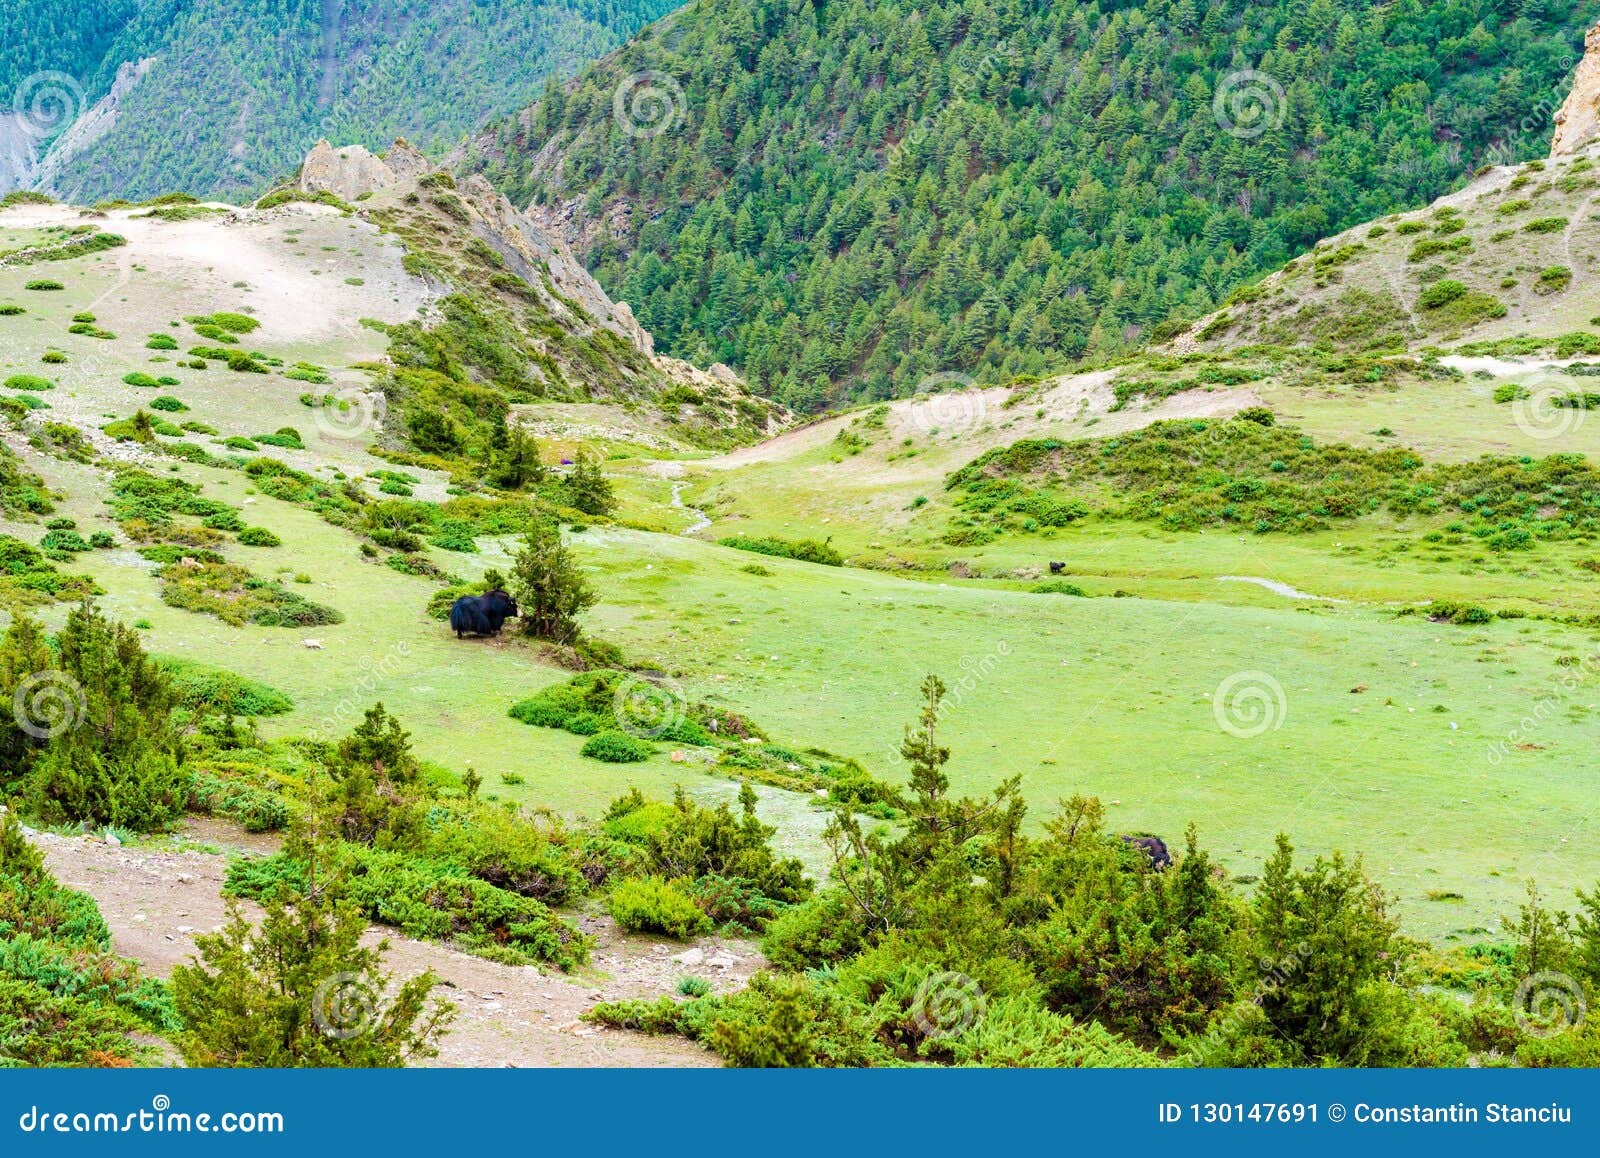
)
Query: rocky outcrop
[
  {"x": 346, "y": 173},
  {"x": 352, "y": 170},
  {"x": 1578, "y": 120}
]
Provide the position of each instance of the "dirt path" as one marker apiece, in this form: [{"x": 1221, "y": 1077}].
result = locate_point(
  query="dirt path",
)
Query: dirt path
[{"x": 156, "y": 899}]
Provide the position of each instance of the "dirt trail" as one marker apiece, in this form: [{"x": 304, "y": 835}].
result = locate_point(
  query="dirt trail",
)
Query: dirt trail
[{"x": 156, "y": 899}]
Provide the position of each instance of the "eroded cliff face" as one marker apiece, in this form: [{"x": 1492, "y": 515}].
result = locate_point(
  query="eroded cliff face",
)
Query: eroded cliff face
[
  {"x": 530, "y": 250},
  {"x": 437, "y": 211},
  {"x": 19, "y": 158},
  {"x": 1578, "y": 119}
]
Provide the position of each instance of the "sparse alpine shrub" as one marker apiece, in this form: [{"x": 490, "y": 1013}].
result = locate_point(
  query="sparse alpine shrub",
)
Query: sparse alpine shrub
[
  {"x": 259, "y": 537},
  {"x": 1441, "y": 293},
  {"x": 653, "y": 905},
  {"x": 1058, "y": 587},
  {"x": 806, "y": 550},
  {"x": 616, "y": 748}
]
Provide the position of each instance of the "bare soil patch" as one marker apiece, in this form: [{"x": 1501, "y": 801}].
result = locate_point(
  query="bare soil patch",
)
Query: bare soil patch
[{"x": 157, "y": 898}]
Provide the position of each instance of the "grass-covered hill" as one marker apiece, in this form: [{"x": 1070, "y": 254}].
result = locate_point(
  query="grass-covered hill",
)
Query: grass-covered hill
[
  {"x": 1506, "y": 265},
  {"x": 841, "y": 200},
  {"x": 234, "y": 93}
]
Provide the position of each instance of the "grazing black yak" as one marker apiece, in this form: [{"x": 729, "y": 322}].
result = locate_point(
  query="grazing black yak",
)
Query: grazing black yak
[
  {"x": 1057, "y": 568},
  {"x": 482, "y": 614},
  {"x": 1153, "y": 847}
]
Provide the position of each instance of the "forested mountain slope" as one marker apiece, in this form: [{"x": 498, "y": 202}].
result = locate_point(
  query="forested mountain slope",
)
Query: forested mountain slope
[
  {"x": 236, "y": 91},
  {"x": 843, "y": 199}
]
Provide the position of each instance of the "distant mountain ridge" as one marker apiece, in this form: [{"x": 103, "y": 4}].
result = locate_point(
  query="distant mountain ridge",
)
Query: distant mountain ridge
[{"x": 222, "y": 97}]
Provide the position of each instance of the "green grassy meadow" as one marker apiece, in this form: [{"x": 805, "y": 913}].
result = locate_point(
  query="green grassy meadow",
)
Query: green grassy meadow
[{"x": 1390, "y": 736}]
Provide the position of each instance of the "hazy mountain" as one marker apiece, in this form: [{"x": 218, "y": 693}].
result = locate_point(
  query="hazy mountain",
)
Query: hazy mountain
[{"x": 220, "y": 97}]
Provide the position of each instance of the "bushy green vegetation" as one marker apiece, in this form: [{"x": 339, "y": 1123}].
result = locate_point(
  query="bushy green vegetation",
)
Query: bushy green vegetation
[
  {"x": 806, "y": 550},
  {"x": 65, "y": 1000},
  {"x": 998, "y": 195},
  {"x": 261, "y": 996},
  {"x": 27, "y": 577},
  {"x": 960, "y": 938},
  {"x": 201, "y": 685},
  {"x": 1188, "y": 475},
  {"x": 234, "y": 595},
  {"x": 94, "y": 737},
  {"x": 22, "y": 493},
  {"x": 623, "y": 714},
  {"x": 614, "y": 747},
  {"x": 653, "y": 905}
]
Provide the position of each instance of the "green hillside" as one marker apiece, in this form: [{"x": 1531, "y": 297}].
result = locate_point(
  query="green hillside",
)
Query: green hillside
[
  {"x": 240, "y": 89},
  {"x": 842, "y": 200}
]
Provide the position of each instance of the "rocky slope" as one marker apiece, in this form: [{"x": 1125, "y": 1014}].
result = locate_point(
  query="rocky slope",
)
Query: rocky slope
[{"x": 580, "y": 346}]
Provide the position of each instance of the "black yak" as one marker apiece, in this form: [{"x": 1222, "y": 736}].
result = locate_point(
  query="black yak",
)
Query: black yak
[
  {"x": 1057, "y": 568},
  {"x": 1153, "y": 847},
  {"x": 482, "y": 614}
]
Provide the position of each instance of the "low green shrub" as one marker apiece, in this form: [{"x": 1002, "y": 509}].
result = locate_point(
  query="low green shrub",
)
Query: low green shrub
[
  {"x": 806, "y": 550},
  {"x": 259, "y": 537},
  {"x": 427, "y": 899},
  {"x": 203, "y": 685},
  {"x": 616, "y": 748},
  {"x": 1058, "y": 587},
  {"x": 653, "y": 905}
]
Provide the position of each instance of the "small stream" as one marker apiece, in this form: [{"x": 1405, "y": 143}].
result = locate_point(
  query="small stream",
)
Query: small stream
[
  {"x": 702, "y": 520},
  {"x": 1277, "y": 588}
]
